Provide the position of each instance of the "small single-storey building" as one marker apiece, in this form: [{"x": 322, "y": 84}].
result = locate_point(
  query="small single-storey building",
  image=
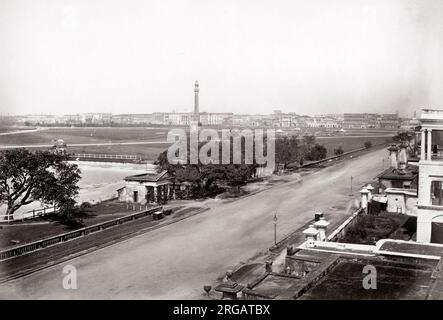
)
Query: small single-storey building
[
  {"x": 149, "y": 187},
  {"x": 153, "y": 186},
  {"x": 400, "y": 174},
  {"x": 398, "y": 178}
]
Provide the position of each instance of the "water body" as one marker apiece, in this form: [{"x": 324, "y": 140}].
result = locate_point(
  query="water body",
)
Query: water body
[{"x": 100, "y": 181}]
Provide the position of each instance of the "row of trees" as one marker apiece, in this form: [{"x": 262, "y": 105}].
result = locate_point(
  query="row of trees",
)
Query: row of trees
[
  {"x": 207, "y": 178},
  {"x": 290, "y": 150}
]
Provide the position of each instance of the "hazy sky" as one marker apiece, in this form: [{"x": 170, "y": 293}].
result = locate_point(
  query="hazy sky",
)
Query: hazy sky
[{"x": 316, "y": 56}]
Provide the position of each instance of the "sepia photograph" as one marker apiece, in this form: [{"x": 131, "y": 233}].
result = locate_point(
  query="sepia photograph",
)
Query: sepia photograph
[{"x": 221, "y": 155}]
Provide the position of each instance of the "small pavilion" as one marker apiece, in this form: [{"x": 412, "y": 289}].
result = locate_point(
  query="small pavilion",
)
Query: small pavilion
[{"x": 149, "y": 187}]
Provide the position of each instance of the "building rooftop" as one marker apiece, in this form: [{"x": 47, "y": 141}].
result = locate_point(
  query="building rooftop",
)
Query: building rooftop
[
  {"x": 339, "y": 275},
  {"x": 149, "y": 177},
  {"x": 395, "y": 280},
  {"x": 410, "y": 248},
  {"x": 409, "y": 173}
]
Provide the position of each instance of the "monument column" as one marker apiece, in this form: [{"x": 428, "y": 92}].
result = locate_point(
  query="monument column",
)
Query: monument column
[
  {"x": 196, "y": 102},
  {"x": 195, "y": 122}
]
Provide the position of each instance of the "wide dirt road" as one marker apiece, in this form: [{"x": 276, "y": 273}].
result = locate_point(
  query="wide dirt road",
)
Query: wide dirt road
[{"x": 176, "y": 261}]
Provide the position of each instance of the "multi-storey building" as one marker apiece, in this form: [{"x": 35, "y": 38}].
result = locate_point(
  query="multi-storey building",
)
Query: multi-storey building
[
  {"x": 123, "y": 119},
  {"x": 371, "y": 120},
  {"x": 71, "y": 119},
  {"x": 389, "y": 121},
  {"x": 158, "y": 118},
  {"x": 430, "y": 190},
  {"x": 360, "y": 120},
  {"x": 142, "y": 118},
  {"x": 39, "y": 119},
  {"x": 322, "y": 122}
]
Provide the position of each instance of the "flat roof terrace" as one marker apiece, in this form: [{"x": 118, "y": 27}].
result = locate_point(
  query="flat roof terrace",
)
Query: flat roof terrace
[{"x": 395, "y": 280}]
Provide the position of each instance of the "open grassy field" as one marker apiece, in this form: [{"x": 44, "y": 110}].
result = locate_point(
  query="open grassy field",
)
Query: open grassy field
[
  {"x": 102, "y": 136},
  {"x": 86, "y": 135},
  {"x": 5, "y": 128},
  {"x": 349, "y": 143}
]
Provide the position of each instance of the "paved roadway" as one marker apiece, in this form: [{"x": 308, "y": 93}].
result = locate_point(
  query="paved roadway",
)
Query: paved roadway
[{"x": 176, "y": 261}]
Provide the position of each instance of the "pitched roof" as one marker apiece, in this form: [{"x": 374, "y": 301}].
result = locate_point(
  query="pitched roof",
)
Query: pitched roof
[{"x": 149, "y": 177}]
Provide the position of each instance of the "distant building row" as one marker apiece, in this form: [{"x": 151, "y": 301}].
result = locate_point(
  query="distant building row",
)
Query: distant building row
[
  {"x": 371, "y": 120},
  {"x": 276, "y": 119}
]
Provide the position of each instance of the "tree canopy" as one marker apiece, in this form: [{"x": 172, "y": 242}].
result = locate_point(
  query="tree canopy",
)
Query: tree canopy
[
  {"x": 317, "y": 152},
  {"x": 204, "y": 177},
  {"x": 42, "y": 176},
  {"x": 287, "y": 151}
]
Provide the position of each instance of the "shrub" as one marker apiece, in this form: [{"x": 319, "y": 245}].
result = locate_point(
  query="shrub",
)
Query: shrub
[
  {"x": 73, "y": 223},
  {"x": 368, "y": 144},
  {"x": 338, "y": 151},
  {"x": 85, "y": 205}
]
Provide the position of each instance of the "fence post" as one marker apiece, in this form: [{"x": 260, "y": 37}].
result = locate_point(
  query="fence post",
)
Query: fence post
[{"x": 33, "y": 213}]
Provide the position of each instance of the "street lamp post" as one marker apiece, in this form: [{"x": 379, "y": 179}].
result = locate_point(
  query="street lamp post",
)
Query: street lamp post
[
  {"x": 275, "y": 228},
  {"x": 351, "y": 185}
]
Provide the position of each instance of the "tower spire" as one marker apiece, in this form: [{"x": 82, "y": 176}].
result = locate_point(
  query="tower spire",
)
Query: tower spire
[{"x": 196, "y": 106}]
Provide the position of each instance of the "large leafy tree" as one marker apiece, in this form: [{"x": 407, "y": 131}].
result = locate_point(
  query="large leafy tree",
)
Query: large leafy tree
[
  {"x": 236, "y": 175},
  {"x": 317, "y": 152},
  {"x": 287, "y": 151},
  {"x": 204, "y": 177},
  {"x": 41, "y": 176}
]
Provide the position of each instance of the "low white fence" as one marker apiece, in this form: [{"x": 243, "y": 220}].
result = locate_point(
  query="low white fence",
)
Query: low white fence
[
  {"x": 106, "y": 156},
  {"x": 32, "y": 214},
  {"x": 40, "y": 244}
]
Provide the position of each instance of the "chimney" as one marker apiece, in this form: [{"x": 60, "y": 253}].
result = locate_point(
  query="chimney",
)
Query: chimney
[
  {"x": 402, "y": 157},
  {"x": 311, "y": 235},
  {"x": 364, "y": 199},
  {"x": 393, "y": 149},
  {"x": 321, "y": 225},
  {"x": 370, "y": 188}
]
